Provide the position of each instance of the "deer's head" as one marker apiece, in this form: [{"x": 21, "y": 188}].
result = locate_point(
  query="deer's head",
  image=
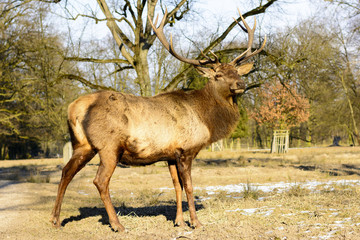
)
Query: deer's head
[{"x": 225, "y": 77}]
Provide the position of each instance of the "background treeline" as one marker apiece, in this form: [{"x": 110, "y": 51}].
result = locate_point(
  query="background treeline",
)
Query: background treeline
[{"x": 44, "y": 66}]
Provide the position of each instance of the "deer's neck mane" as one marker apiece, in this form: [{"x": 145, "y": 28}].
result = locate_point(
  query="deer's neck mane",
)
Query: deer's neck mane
[{"x": 218, "y": 113}]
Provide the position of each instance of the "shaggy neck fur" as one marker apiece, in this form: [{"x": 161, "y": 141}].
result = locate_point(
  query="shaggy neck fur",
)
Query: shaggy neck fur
[{"x": 220, "y": 114}]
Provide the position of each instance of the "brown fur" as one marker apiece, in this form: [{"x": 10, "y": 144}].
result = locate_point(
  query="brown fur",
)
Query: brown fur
[
  {"x": 170, "y": 127},
  {"x": 133, "y": 130}
]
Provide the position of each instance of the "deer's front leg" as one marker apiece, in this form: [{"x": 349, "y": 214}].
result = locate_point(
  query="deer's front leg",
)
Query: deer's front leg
[
  {"x": 184, "y": 167},
  {"x": 179, "y": 220},
  {"x": 108, "y": 161}
]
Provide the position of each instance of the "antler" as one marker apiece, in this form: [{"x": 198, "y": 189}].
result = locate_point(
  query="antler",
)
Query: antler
[
  {"x": 248, "y": 54},
  {"x": 161, "y": 36}
]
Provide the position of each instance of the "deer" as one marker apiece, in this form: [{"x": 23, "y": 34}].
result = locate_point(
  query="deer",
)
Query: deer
[{"x": 171, "y": 126}]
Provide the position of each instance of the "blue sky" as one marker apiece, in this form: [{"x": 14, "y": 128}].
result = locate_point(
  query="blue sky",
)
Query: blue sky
[
  {"x": 211, "y": 14},
  {"x": 283, "y": 13}
]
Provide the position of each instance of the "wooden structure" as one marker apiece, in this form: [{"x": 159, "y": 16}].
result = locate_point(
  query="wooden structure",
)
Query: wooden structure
[
  {"x": 232, "y": 144},
  {"x": 280, "y": 143},
  {"x": 67, "y": 152}
]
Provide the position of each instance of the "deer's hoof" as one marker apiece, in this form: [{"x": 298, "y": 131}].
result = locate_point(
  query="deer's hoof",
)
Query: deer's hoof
[
  {"x": 117, "y": 227},
  {"x": 180, "y": 224},
  {"x": 197, "y": 225},
  {"x": 55, "y": 222}
]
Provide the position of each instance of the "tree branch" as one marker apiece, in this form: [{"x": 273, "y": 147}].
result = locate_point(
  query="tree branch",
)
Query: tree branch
[
  {"x": 98, "y": 19},
  {"x": 83, "y": 81},
  {"x": 173, "y": 12},
  {"x": 150, "y": 12},
  {"x": 178, "y": 78},
  {"x": 128, "y": 7},
  {"x": 80, "y": 59},
  {"x": 118, "y": 35},
  {"x": 255, "y": 85}
]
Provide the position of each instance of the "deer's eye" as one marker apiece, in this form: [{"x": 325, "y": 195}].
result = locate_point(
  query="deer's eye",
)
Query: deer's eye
[{"x": 219, "y": 77}]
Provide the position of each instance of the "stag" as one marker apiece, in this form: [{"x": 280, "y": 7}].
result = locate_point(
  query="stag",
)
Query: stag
[{"x": 172, "y": 126}]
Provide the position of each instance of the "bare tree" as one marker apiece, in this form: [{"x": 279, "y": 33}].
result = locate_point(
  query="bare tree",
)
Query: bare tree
[
  {"x": 32, "y": 102},
  {"x": 135, "y": 44},
  {"x": 349, "y": 81},
  {"x": 352, "y": 7}
]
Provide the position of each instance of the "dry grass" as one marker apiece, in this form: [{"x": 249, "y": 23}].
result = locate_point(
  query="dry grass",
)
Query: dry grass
[
  {"x": 27, "y": 162},
  {"x": 146, "y": 203}
]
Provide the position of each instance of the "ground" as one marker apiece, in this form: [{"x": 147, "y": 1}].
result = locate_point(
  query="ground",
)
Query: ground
[{"x": 305, "y": 194}]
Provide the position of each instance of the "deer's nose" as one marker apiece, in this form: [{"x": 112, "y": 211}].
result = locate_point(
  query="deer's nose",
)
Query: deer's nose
[{"x": 240, "y": 85}]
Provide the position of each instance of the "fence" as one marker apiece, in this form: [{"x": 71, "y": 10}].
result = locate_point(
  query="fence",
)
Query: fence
[
  {"x": 280, "y": 143},
  {"x": 231, "y": 144}
]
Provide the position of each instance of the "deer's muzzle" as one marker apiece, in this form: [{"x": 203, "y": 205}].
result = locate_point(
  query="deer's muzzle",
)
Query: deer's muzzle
[{"x": 238, "y": 87}]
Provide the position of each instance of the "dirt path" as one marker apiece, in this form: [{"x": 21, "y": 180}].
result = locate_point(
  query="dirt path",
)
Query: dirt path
[
  {"x": 19, "y": 208},
  {"x": 13, "y": 199}
]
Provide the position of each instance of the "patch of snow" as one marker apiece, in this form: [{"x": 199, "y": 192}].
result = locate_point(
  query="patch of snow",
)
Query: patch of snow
[
  {"x": 182, "y": 235},
  {"x": 83, "y": 193},
  {"x": 268, "y": 213},
  {"x": 334, "y": 214},
  {"x": 250, "y": 211},
  {"x": 247, "y": 211},
  {"x": 328, "y": 235},
  {"x": 275, "y": 186},
  {"x": 165, "y": 189},
  {"x": 317, "y": 225},
  {"x": 204, "y": 198},
  {"x": 278, "y": 186},
  {"x": 288, "y": 214}
]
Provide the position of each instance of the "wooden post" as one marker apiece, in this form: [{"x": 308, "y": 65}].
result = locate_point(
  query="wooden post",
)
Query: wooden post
[
  {"x": 231, "y": 144},
  {"x": 67, "y": 152}
]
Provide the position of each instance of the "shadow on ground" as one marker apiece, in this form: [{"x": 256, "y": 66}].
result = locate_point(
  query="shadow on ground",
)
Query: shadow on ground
[
  {"x": 167, "y": 209},
  {"x": 5, "y": 183},
  {"x": 28, "y": 173},
  {"x": 339, "y": 170}
]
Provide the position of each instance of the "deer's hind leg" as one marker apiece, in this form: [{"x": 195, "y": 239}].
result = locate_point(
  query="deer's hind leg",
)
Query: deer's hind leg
[
  {"x": 184, "y": 162},
  {"x": 179, "y": 220},
  {"x": 81, "y": 155}
]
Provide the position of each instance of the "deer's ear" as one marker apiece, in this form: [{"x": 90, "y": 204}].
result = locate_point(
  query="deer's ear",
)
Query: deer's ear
[
  {"x": 206, "y": 72},
  {"x": 245, "y": 68}
]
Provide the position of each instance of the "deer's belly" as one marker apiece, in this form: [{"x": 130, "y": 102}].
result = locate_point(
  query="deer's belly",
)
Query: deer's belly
[{"x": 138, "y": 160}]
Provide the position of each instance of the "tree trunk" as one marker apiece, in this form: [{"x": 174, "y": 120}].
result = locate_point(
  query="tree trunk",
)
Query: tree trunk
[
  {"x": 258, "y": 137},
  {"x": 142, "y": 70},
  {"x": 2, "y": 151},
  {"x": 356, "y": 131}
]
